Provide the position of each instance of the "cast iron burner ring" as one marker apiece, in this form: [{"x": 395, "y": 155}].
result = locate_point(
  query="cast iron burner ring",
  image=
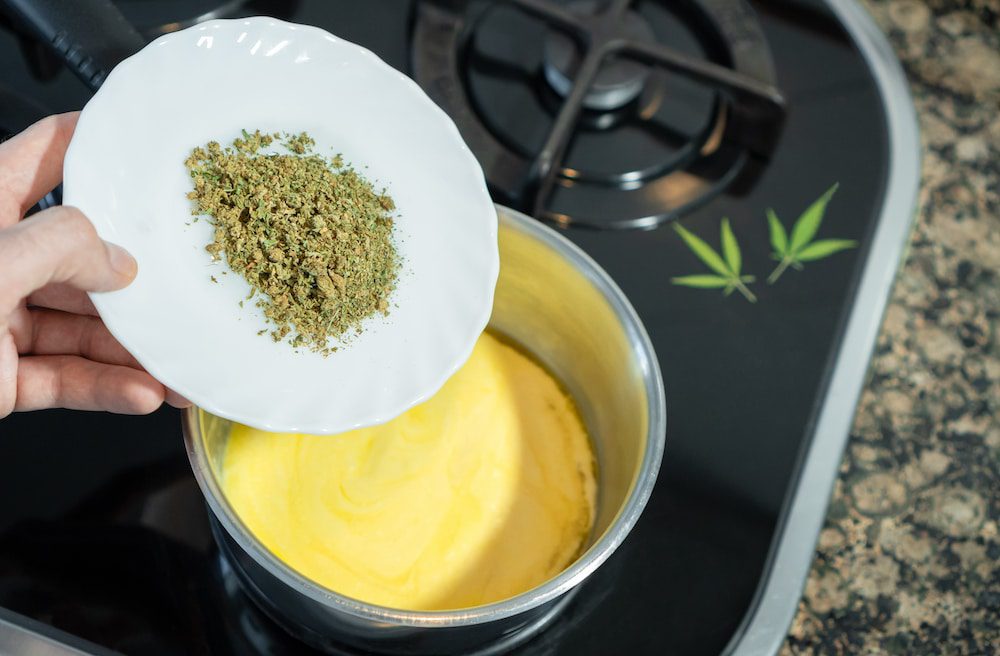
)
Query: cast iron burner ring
[
  {"x": 740, "y": 71},
  {"x": 618, "y": 82}
]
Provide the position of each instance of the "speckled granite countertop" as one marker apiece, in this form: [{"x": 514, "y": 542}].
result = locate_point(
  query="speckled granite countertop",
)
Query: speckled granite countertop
[{"x": 909, "y": 559}]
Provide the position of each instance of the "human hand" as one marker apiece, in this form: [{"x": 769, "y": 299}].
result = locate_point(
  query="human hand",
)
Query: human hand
[{"x": 54, "y": 350}]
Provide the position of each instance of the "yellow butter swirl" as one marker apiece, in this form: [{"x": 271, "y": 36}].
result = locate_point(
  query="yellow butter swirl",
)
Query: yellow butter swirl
[{"x": 483, "y": 492}]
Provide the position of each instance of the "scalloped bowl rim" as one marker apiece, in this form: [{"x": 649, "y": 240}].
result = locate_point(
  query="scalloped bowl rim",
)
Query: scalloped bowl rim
[{"x": 120, "y": 327}]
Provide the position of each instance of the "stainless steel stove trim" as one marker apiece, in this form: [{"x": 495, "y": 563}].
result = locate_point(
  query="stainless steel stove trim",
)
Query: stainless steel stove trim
[
  {"x": 22, "y": 635},
  {"x": 765, "y": 626}
]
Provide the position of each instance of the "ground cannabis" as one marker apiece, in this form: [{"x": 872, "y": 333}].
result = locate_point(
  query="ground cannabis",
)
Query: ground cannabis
[{"x": 308, "y": 233}]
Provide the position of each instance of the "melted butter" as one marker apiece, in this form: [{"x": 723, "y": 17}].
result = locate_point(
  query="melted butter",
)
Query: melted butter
[{"x": 479, "y": 494}]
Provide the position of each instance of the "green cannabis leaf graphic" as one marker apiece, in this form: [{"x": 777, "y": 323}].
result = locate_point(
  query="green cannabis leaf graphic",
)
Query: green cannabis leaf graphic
[
  {"x": 727, "y": 266},
  {"x": 800, "y": 248}
]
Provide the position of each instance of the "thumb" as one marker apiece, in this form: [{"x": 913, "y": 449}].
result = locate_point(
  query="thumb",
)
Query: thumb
[{"x": 59, "y": 245}]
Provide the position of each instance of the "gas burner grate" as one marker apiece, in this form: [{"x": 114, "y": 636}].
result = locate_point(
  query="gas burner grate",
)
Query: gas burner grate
[{"x": 601, "y": 67}]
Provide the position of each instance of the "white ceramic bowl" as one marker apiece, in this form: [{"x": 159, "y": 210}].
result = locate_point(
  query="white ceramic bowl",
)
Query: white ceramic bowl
[{"x": 124, "y": 169}]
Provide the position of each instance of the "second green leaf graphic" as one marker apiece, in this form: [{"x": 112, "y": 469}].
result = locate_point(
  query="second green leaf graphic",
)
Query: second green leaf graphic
[{"x": 801, "y": 248}]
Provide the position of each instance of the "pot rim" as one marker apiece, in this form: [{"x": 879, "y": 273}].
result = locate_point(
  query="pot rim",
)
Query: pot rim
[{"x": 586, "y": 564}]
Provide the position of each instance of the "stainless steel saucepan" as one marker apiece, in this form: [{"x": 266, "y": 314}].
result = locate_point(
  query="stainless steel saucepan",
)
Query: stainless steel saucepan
[{"x": 558, "y": 304}]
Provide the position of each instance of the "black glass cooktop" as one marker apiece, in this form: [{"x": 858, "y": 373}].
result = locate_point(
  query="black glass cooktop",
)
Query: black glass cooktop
[{"x": 102, "y": 530}]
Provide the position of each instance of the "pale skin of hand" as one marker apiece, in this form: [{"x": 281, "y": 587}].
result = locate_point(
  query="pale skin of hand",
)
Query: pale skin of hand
[{"x": 54, "y": 350}]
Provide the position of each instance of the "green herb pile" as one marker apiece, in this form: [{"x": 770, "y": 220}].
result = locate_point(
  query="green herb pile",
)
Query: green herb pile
[{"x": 309, "y": 234}]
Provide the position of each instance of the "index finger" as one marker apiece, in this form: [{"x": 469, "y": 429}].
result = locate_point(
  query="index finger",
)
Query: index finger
[
  {"x": 60, "y": 296},
  {"x": 31, "y": 164}
]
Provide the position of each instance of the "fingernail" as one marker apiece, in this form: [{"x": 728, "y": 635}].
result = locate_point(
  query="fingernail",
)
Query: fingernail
[{"x": 122, "y": 261}]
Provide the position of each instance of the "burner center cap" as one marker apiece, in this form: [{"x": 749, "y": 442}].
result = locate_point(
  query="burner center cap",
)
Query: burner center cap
[{"x": 619, "y": 80}]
